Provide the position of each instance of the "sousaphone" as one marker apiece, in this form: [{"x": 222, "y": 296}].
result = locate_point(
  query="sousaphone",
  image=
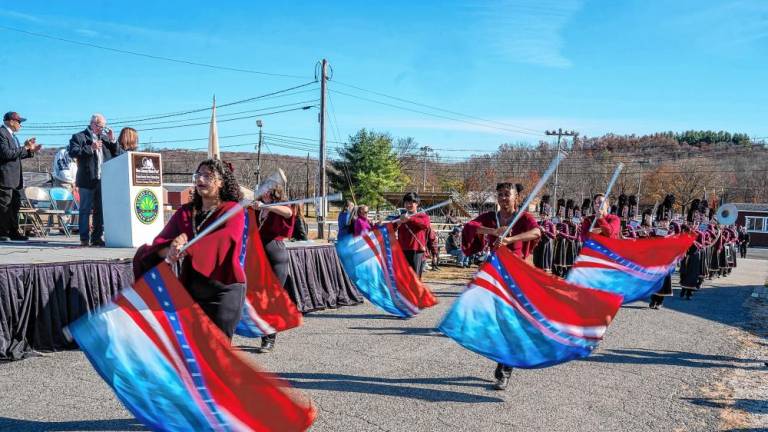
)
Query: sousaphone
[{"x": 726, "y": 214}]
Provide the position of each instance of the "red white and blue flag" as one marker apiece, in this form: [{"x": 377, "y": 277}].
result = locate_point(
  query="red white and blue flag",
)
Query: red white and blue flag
[
  {"x": 633, "y": 268},
  {"x": 267, "y": 309},
  {"x": 176, "y": 371},
  {"x": 520, "y": 316},
  {"x": 376, "y": 265}
]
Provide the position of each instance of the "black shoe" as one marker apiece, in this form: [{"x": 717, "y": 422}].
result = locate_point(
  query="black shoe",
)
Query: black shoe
[
  {"x": 5, "y": 238},
  {"x": 501, "y": 383},
  {"x": 18, "y": 237},
  {"x": 98, "y": 243},
  {"x": 267, "y": 343}
]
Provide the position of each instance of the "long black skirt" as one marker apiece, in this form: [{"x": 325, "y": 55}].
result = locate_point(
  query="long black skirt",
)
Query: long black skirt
[
  {"x": 542, "y": 254},
  {"x": 222, "y": 303},
  {"x": 691, "y": 275}
]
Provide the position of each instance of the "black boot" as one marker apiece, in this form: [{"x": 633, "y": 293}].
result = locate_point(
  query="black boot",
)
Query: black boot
[
  {"x": 268, "y": 343},
  {"x": 502, "y": 375}
]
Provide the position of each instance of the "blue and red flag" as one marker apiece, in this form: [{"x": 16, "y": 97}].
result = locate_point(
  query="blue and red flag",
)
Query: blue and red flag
[
  {"x": 633, "y": 268},
  {"x": 268, "y": 308},
  {"x": 376, "y": 265},
  {"x": 176, "y": 371},
  {"x": 521, "y": 316}
]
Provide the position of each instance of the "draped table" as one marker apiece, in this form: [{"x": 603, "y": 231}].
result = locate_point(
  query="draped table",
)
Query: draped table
[
  {"x": 318, "y": 281},
  {"x": 38, "y": 300}
]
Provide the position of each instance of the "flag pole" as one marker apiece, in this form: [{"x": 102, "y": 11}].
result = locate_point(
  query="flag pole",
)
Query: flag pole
[
  {"x": 238, "y": 208},
  {"x": 607, "y": 193},
  {"x": 536, "y": 189},
  {"x": 428, "y": 209}
]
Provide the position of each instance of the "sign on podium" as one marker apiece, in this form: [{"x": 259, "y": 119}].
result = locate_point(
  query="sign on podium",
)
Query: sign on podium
[{"x": 132, "y": 198}]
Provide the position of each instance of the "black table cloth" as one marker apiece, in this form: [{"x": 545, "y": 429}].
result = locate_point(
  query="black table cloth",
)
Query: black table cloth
[
  {"x": 37, "y": 301},
  {"x": 318, "y": 281}
]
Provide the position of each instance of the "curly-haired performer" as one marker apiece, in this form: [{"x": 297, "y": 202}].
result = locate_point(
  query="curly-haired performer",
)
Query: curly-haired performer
[{"x": 210, "y": 268}]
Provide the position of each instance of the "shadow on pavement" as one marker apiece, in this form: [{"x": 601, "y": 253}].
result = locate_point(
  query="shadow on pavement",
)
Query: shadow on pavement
[
  {"x": 672, "y": 358},
  {"x": 400, "y": 387},
  {"x": 411, "y": 331},
  {"x": 719, "y": 304},
  {"x": 351, "y": 316},
  {"x": 754, "y": 406},
  {"x": 75, "y": 425}
]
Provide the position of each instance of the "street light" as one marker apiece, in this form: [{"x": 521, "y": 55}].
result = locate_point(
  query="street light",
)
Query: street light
[{"x": 258, "y": 155}]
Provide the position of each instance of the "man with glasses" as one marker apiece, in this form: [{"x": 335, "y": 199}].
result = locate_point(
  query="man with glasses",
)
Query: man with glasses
[
  {"x": 11, "y": 179},
  {"x": 92, "y": 147}
]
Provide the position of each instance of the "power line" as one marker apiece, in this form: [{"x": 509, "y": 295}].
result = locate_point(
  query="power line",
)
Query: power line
[
  {"x": 433, "y": 114},
  {"x": 182, "y": 113},
  {"x": 537, "y": 132},
  {"x": 152, "y": 56},
  {"x": 229, "y": 120}
]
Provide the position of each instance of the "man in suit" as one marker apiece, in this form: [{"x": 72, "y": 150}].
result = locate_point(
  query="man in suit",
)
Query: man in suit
[
  {"x": 11, "y": 179},
  {"x": 92, "y": 147}
]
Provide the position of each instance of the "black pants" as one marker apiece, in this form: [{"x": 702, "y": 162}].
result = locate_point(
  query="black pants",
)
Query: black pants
[
  {"x": 10, "y": 202},
  {"x": 279, "y": 259},
  {"x": 416, "y": 261},
  {"x": 502, "y": 371},
  {"x": 656, "y": 300},
  {"x": 743, "y": 250},
  {"x": 222, "y": 303}
]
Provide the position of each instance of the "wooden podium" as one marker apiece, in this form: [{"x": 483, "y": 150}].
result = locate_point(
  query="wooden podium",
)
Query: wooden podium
[{"x": 132, "y": 199}]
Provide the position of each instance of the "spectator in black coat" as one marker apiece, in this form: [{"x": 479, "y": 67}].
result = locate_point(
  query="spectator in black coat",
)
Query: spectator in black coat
[
  {"x": 11, "y": 179},
  {"x": 92, "y": 147}
]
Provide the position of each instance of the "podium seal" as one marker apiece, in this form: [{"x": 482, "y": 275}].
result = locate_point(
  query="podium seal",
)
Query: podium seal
[{"x": 146, "y": 206}]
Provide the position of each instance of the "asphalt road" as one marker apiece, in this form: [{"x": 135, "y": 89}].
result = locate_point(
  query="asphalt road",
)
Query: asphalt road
[{"x": 657, "y": 370}]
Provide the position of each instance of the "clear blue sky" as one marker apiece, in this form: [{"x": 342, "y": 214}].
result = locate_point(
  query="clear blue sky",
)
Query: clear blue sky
[{"x": 594, "y": 66}]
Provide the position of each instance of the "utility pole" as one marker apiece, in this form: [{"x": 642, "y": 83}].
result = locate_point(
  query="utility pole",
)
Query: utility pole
[
  {"x": 425, "y": 151},
  {"x": 306, "y": 194},
  {"x": 560, "y": 133},
  {"x": 258, "y": 155},
  {"x": 323, "y": 204}
]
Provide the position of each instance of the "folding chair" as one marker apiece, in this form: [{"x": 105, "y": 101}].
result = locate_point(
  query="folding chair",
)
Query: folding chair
[
  {"x": 41, "y": 201},
  {"x": 30, "y": 220},
  {"x": 64, "y": 200}
]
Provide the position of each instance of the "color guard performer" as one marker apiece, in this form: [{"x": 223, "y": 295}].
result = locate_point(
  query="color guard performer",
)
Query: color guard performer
[
  {"x": 608, "y": 225},
  {"x": 275, "y": 226},
  {"x": 521, "y": 240},
  {"x": 412, "y": 232}
]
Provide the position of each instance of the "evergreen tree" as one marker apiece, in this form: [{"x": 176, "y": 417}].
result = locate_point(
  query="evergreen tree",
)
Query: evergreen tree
[{"x": 367, "y": 165}]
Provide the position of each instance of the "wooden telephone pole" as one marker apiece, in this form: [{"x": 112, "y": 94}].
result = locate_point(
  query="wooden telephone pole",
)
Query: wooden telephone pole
[{"x": 559, "y": 133}]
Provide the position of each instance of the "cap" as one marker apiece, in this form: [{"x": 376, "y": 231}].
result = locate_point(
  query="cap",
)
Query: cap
[
  {"x": 411, "y": 197},
  {"x": 12, "y": 115}
]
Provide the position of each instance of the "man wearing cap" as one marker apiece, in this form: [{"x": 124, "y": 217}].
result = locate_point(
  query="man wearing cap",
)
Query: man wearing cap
[
  {"x": 11, "y": 179},
  {"x": 412, "y": 232},
  {"x": 92, "y": 147}
]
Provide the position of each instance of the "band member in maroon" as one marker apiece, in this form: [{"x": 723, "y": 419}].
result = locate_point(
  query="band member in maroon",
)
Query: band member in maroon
[
  {"x": 521, "y": 240},
  {"x": 607, "y": 225},
  {"x": 412, "y": 232},
  {"x": 210, "y": 269},
  {"x": 275, "y": 226}
]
